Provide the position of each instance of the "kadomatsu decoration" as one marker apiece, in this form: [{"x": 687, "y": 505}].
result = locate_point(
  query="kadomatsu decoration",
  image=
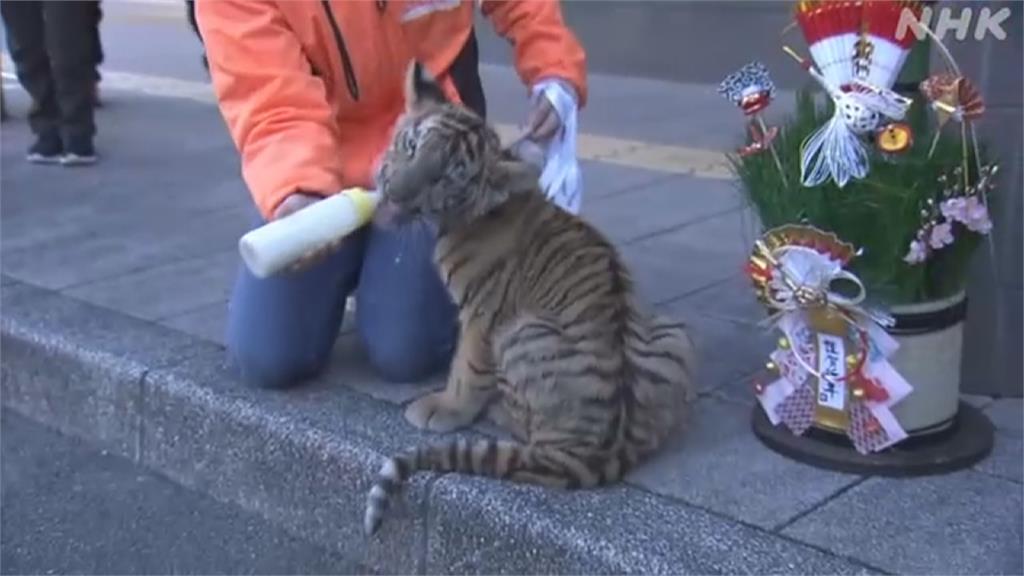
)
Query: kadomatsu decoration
[
  {"x": 912, "y": 196},
  {"x": 922, "y": 205}
]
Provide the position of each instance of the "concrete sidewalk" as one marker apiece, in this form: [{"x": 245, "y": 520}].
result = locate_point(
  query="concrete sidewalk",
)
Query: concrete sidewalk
[
  {"x": 115, "y": 280},
  {"x": 115, "y": 517}
]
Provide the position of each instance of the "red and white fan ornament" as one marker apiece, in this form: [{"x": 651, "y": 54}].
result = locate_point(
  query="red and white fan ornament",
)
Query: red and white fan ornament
[{"x": 856, "y": 55}]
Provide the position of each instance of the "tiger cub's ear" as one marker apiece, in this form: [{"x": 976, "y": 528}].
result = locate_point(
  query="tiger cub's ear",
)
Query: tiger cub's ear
[{"x": 421, "y": 89}]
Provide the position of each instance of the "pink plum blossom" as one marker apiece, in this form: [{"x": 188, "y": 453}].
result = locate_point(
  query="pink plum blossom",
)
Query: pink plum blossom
[
  {"x": 917, "y": 253},
  {"x": 954, "y": 209},
  {"x": 941, "y": 235},
  {"x": 976, "y": 216},
  {"x": 968, "y": 211}
]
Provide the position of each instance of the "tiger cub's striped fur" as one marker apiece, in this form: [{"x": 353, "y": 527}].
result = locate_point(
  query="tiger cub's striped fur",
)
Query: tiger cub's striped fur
[{"x": 552, "y": 338}]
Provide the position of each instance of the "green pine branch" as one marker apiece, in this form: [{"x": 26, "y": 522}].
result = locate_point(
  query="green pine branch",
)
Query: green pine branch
[{"x": 880, "y": 214}]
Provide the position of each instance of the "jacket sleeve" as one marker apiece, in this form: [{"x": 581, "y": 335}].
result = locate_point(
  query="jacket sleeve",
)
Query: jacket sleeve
[
  {"x": 275, "y": 108},
  {"x": 544, "y": 46}
]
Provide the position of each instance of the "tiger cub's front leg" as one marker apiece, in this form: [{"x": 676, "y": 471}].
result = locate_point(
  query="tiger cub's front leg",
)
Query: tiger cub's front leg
[{"x": 471, "y": 386}]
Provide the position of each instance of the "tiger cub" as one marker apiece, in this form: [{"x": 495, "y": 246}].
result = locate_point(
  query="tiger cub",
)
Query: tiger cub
[{"x": 551, "y": 337}]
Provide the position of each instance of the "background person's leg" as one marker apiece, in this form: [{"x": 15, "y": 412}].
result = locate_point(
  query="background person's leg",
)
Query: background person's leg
[
  {"x": 69, "y": 42},
  {"x": 23, "y": 22},
  {"x": 3, "y": 105},
  {"x": 97, "y": 47},
  {"x": 281, "y": 329},
  {"x": 405, "y": 317}
]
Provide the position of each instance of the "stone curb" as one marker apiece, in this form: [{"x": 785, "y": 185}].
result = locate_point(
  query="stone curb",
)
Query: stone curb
[{"x": 305, "y": 458}]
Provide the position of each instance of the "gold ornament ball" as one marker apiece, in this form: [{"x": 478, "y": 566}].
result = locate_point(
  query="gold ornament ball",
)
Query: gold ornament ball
[
  {"x": 851, "y": 360},
  {"x": 770, "y": 366},
  {"x": 783, "y": 343},
  {"x": 894, "y": 138}
]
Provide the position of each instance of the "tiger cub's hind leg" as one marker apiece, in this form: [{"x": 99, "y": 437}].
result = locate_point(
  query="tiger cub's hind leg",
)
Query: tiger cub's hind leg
[
  {"x": 559, "y": 397},
  {"x": 471, "y": 387}
]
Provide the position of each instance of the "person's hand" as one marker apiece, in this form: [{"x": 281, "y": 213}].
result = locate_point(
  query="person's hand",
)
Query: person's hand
[
  {"x": 294, "y": 203},
  {"x": 543, "y": 122}
]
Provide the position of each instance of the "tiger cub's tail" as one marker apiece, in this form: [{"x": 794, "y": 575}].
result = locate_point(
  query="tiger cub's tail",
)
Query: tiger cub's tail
[{"x": 480, "y": 457}]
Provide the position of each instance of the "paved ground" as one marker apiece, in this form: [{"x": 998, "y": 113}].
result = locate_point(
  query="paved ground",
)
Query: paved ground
[
  {"x": 71, "y": 509},
  {"x": 151, "y": 232}
]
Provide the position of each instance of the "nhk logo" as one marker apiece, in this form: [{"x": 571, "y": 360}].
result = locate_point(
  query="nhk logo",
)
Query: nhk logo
[{"x": 986, "y": 23}]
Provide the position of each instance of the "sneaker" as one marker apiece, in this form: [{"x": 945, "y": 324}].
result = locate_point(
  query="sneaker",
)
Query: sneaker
[
  {"x": 46, "y": 150},
  {"x": 79, "y": 153}
]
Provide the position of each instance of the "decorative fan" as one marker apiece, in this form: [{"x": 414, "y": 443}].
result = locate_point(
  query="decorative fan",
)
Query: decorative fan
[
  {"x": 858, "y": 56},
  {"x": 857, "y": 39},
  {"x": 785, "y": 246},
  {"x": 953, "y": 96}
]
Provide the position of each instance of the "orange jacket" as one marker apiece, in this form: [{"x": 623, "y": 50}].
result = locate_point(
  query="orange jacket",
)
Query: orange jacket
[{"x": 310, "y": 89}]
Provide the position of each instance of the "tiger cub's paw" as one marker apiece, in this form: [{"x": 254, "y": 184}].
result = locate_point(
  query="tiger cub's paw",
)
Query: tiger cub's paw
[{"x": 431, "y": 412}]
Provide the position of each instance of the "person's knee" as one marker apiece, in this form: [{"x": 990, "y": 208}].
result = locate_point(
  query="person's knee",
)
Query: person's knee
[
  {"x": 280, "y": 332},
  {"x": 405, "y": 357},
  {"x": 262, "y": 368}
]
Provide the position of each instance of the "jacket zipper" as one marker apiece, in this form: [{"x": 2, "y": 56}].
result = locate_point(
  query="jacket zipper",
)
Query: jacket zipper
[{"x": 346, "y": 60}]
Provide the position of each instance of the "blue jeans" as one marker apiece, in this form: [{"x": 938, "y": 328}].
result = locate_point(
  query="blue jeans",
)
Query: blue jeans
[{"x": 281, "y": 329}]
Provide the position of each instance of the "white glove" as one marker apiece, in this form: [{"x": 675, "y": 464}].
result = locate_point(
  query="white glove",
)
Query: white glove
[{"x": 561, "y": 179}]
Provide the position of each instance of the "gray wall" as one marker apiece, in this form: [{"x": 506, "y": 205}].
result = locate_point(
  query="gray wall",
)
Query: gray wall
[
  {"x": 704, "y": 40},
  {"x": 677, "y": 40},
  {"x": 992, "y": 353}
]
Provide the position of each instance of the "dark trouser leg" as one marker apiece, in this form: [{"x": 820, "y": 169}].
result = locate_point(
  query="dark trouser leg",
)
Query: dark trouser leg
[
  {"x": 69, "y": 42},
  {"x": 97, "y": 42},
  {"x": 26, "y": 40}
]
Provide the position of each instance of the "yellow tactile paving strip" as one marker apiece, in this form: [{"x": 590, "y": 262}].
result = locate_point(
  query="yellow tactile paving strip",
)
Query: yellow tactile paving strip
[{"x": 702, "y": 163}]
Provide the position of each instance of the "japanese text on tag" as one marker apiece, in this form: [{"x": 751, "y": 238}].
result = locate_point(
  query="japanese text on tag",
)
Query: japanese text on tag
[{"x": 831, "y": 389}]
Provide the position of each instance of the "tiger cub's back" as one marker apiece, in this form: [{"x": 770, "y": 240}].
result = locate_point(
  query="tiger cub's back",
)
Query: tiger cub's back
[
  {"x": 557, "y": 265},
  {"x": 658, "y": 356}
]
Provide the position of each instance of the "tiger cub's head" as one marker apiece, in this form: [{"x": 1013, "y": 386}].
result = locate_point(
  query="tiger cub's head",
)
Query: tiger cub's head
[{"x": 444, "y": 162}]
